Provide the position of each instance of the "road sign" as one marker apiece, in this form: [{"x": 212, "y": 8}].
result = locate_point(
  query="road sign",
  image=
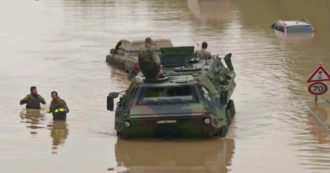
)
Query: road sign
[
  {"x": 318, "y": 88},
  {"x": 320, "y": 74}
]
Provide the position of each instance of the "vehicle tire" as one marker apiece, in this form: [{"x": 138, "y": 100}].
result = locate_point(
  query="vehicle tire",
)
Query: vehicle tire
[
  {"x": 223, "y": 131},
  {"x": 231, "y": 106},
  {"x": 229, "y": 115}
]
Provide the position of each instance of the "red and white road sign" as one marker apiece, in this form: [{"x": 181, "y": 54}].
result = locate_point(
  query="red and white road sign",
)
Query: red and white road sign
[
  {"x": 318, "y": 88},
  {"x": 320, "y": 74}
]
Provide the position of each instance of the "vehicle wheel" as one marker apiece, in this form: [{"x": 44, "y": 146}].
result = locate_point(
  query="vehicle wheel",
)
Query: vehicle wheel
[
  {"x": 231, "y": 106},
  {"x": 229, "y": 116},
  {"x": 223, "y": 131}
]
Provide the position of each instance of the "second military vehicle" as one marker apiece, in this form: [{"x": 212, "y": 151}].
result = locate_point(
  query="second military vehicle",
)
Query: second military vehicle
[
  {"x": 191, "y": 100},
  {"x": 125, "y": 53}
]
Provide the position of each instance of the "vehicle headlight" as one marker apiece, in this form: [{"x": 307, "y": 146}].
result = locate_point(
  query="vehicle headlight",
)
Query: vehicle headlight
[
  {"x": 127, "y": 124},
  {"x": 207, "y": 120}
]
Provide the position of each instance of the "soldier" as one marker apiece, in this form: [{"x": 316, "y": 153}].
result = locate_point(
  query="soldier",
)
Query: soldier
[
  {"x": 203, "y": 53},
  {"x": 33, "y": 100},
  {"x": 58, "y": 107},
  {"x": 149, "y": 61}
]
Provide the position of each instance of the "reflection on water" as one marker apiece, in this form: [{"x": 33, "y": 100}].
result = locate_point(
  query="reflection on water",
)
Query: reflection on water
[
  {"x": 33, "y": 118},
  {"x": 59, "y": 132},
  {"x": 212, "y": 155},
  {"x": 211, "y": 10},
  {"x": 58, "y": 129},
  {"x": 316, "y": 130},
  {"x": 315, "y": 149},
  {"x": 294, "y": 37}
]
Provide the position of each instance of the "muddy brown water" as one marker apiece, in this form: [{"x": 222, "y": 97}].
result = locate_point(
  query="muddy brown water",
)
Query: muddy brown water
[{"x": 61, "y": 45}]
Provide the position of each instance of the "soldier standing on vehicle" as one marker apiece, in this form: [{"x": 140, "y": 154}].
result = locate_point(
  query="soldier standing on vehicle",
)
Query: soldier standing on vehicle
[
  {"x": 203, "y": 53},
  {"x": 58, "y": 107},
  {"x": 149, "y": 61},
  {"x": 33, "y": 100}
]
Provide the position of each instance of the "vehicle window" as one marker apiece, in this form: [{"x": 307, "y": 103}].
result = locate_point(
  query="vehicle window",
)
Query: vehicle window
[
  {"x": 281, "y": 28},
  {"x": 299, "y": 29},
  {"x": 276, "y": 26},
  {"x": 121, "y": 51},
  {"x": 167, "y": 95},
  {"x": 273, "y": 26},
  {"x": 206, "y": 94}
]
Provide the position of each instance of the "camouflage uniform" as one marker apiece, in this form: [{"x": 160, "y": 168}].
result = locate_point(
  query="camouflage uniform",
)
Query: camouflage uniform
[
  {"x": 33, "y": 101},
  {"x": 149, "y": 63},
  {"x": 59, "y": 109},
  {"x": 203, "y": 54}
]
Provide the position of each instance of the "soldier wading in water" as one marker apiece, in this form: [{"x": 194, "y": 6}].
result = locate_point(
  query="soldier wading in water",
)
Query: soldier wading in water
[
  {"x": 33, "y": 100},
  {"x": 58, "y": 107}
]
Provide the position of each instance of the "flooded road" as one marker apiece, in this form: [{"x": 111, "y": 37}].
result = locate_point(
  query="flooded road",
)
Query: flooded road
[{"x": 61, "y": 45}]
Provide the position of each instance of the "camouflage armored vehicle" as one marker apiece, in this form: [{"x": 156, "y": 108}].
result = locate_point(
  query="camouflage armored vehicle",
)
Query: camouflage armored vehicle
[
  {"x": 192, "y": 100},
  {"x": 125, "y": 53}
]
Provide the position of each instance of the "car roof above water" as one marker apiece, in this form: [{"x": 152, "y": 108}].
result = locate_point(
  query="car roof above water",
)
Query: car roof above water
[
  {"x": 292, "y": 22},
  {"x": 293, "y": 26}
]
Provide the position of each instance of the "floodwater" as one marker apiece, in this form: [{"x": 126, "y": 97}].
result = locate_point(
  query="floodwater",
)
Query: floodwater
[{"x": 61, "y": 45}]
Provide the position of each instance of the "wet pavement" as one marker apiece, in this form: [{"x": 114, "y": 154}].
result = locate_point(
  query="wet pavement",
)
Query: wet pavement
[{"x": 61, "y": 45}]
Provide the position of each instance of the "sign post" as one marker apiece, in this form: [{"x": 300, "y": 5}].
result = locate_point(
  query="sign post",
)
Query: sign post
[{"x": 317, "y": 87}]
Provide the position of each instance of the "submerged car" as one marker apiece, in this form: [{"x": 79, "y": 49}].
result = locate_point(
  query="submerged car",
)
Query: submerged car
[
  {"x": 192, "y": 100},
  {"x": 125, "y": 53},
  {"x": 296, "y": 26}
]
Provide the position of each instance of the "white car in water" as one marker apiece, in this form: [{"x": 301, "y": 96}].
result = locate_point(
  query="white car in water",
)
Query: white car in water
[{"x": 295, "y": 26}]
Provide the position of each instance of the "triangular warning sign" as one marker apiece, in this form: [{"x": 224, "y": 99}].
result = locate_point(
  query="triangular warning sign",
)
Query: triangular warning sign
[{"x": 320, "y": 74}]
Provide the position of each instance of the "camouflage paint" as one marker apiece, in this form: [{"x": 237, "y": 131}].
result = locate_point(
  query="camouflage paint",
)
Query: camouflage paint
[{"x": 178, "y": 119}]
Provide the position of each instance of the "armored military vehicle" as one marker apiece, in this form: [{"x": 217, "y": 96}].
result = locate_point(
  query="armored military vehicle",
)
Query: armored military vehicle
[
  {"x": 125, "y": 53},
  {"x": 191, "y": 100}
]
